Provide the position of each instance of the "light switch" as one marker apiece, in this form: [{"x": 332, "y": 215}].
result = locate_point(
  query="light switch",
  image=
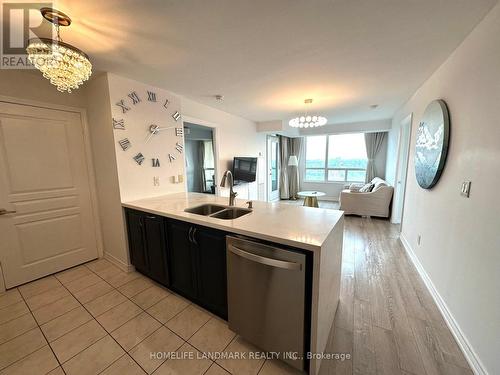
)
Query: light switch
[{"x": 465, "y": 191}]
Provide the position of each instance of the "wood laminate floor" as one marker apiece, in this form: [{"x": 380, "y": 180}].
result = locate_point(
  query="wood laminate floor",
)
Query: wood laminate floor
[{"x": 386, "y": 318}]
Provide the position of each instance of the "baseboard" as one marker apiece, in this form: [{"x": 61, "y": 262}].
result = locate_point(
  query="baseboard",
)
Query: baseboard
[
  {"x": 119, "y": 263},
  {"x": 469, "y": 353}
]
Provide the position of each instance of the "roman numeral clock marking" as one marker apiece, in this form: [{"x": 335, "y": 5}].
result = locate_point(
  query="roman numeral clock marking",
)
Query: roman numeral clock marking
[
  {"x": 176, "y": 115},
  {"x": 125, "y": 144},
  {"x": 135, "y": 98},
  {"x": 123, "y": 106},
  {"x": 151, "y": 96},
  {"x": 179, "y": 147},
  {"x": 119, "y": 124}
]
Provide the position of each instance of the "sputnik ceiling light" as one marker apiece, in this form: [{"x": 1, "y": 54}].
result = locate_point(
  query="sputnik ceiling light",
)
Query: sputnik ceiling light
[
  {"x": 307, "y": 120},
  {"x": 63, "y": 64}
]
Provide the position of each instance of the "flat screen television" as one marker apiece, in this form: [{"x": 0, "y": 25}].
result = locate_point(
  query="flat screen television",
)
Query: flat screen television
[{"x": 244, "y": 169}]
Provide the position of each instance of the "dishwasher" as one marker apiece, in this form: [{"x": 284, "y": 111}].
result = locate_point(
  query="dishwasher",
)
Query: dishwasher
[{"x": 266, "y": 297}]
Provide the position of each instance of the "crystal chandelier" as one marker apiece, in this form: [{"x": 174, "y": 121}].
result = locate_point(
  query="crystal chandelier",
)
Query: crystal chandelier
[
  {"x": 64, "y": 65},
  {"x": 307, "y": 121}
]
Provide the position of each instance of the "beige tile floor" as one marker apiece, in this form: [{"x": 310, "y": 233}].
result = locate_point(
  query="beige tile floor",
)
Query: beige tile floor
[{"x": 96, "y": 319}]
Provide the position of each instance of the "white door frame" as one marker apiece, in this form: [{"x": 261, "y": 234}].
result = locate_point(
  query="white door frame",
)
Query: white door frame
[
  {"x": 215, "y": 139},
  {"x": 403, "y": 156},
  {"x": 88, "y": 157},
  {"x": 268, "y": 176}
]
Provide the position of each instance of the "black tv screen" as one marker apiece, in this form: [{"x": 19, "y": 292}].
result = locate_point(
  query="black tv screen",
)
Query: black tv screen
[{"x": 244, "y": 169}]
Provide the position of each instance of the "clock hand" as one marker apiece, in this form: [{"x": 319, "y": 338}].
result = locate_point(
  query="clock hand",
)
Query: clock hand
[
  {"x": 171, "y": 127},
  {"x": 149, "y": 137}
]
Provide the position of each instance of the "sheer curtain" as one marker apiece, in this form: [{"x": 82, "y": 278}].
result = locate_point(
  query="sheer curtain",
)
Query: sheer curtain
[
  {"x": 373, "y": 143},
  {"x": 295, "y": 149},
  {"x": 289, "y": 180},
  {"x": 284, "y": 155}
]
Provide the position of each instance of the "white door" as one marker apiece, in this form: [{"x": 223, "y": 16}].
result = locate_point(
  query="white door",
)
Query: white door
[
  {"x": 273, "y": 167},
  {"x": 402, "y": 169},
  {"x": 44, "y": 181}
]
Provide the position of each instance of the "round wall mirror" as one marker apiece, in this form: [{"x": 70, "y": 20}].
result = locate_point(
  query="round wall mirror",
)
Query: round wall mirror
[{"x": 432, "y": 144}]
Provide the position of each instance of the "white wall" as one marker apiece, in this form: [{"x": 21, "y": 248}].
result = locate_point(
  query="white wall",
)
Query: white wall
[
  {"x": 333, "y": 189},
  {"x": 235, "y": 136},
  {"x": 460, "y": 245},
  {"x": 136, "y": 181},
  {"x": 30, "y": 84},
  {"x": 103, "y": 152}
]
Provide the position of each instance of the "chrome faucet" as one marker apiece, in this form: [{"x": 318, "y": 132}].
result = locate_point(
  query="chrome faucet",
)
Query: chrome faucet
[{"x": 232, "y": 194}]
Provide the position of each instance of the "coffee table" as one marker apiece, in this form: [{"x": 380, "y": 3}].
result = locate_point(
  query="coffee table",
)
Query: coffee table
[{"x": 310, "y": 197}]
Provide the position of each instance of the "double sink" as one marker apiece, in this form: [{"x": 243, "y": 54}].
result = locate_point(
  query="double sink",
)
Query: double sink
[{"x": 218, "y": 211}]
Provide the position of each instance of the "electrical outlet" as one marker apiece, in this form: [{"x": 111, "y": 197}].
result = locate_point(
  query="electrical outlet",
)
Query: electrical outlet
[
  {"x": 156, "y": 181},
  {"x": 419, "y": 238}
]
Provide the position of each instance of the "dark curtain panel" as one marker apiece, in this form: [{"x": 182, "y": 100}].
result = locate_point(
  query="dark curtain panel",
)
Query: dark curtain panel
[{"x": 373, "y": 143}]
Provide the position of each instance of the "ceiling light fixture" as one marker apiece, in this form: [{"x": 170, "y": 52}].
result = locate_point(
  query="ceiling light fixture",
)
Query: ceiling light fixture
[
  {"x": 63, "y": 64},
  {"x": 307, "y": 121}
]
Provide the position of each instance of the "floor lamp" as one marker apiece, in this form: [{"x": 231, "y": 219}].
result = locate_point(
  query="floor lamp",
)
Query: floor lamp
[{"x": 294, "y": 162}]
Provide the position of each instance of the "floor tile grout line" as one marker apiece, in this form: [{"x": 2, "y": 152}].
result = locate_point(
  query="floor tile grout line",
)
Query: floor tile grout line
[
  {"x": 109, "y": 334},
  {"x": 16, "y": 316},
  {"x": 136, "y": 345},
  {"x": 45, "y": 337},
  {"x": 22, "y": 333},
  {"x": 48, "y": 321}
]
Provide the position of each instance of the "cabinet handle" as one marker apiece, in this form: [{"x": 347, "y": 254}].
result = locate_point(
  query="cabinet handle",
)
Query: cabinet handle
[
  {"x": 194, "y": 239},
  {"x": 151, "y": 217},
  {"x": 189, "y": 234}
]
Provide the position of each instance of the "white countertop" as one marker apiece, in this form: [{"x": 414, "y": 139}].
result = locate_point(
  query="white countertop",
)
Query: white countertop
[{"x": 303, "y": 227}]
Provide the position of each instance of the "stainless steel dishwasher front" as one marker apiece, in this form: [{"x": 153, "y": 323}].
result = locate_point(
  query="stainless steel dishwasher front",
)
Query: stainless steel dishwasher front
[{"x": 266, "y": 297}]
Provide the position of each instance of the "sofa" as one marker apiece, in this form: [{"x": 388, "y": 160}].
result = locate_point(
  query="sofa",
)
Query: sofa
[{"x": 377, "y": 202}]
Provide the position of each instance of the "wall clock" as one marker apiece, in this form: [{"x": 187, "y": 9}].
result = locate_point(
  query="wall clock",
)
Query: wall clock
[
  {"x": 136, "y": 99},
  {"x": 432, "y": 144}
]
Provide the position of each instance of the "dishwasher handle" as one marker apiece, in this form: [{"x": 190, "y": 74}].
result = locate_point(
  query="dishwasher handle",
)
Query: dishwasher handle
[{"x": 264, "y": 260}]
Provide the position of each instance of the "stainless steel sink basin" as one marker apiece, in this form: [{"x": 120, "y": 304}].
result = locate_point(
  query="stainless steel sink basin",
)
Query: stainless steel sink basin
[
  {"x": 205, "y": 209},
  {"x": 231, "y": 213}
]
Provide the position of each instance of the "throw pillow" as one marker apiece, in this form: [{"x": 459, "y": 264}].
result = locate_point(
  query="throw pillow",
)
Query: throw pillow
[{"x": 366, "y": 188}]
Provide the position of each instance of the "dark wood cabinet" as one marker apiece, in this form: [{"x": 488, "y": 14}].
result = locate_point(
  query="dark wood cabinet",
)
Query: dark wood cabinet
[
  {"x": 189, "y": 259},
  {"x": 181, "y": 258},
  {"x": 211, "y": 275},
  {"x": 148, "y": 244},
  {"x": 197, "y": 259}
]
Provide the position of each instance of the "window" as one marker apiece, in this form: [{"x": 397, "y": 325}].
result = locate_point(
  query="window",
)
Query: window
[{"x": 336, "y": 158}]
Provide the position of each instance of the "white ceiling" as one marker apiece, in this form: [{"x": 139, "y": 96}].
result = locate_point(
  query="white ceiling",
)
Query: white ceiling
[{"x": 267, "y": 56}]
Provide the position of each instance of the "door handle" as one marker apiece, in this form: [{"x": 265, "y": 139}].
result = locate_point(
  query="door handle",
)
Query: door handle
[
  {"x": 264, "y": 260},
  {"x": 3, "y": 211}
]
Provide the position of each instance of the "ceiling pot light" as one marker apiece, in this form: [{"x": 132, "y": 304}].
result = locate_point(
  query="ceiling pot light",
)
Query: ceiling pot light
[
  {"x": 64, "y": 65},
  {"x": 307, "y": 121}
]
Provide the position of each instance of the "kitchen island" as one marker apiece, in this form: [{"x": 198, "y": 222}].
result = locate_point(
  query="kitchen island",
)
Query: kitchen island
[{"x": 316, "y": 232}]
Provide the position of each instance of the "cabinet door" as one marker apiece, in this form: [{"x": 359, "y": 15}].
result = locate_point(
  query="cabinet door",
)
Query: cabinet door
[
  {"x": 156, "y": 247},
  {"x": 211, "y": 269},
  {"x": 137, "y": 250},
  {"x": 181, "y": 261}
]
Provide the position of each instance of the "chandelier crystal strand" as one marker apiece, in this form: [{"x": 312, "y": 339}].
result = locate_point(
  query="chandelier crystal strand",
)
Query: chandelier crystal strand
[
  {"x": 307, "y": 121},
  {"x": 64, "y": 65}
]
